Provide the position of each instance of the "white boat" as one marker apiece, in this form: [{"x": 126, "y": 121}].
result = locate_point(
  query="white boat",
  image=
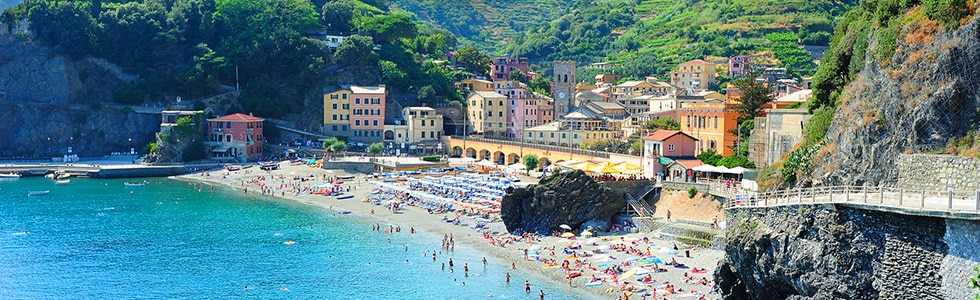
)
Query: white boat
[
  {"x": 63, "y": 181},
  {"x": 49, "y": 176},
  {"x": 38, "y": 193},
  {"x": 63, "y": 176},
  {"x": 9, "y": 175},
  {"x": 128, "y": 183}
]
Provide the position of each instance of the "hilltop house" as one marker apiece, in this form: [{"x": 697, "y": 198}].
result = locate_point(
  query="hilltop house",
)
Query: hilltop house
[{"x": 235, "y": 137}]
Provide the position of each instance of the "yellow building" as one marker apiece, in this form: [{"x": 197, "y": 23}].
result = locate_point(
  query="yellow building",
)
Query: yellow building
[
  {"x": 695, "y": 74},
  {"x": 712, "y": 122},
  {"x": 474, "y": 85},
  {"x": 486, "y": 113},
  {"x": 561, "y": 133},
  {"x": 336, "y": 112}
]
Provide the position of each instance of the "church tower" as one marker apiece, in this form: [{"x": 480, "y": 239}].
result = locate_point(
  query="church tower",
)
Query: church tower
[{"x": 564, "y": 88}]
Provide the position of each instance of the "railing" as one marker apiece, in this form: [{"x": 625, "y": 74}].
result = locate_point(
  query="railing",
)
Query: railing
[
  {"x": 641, "y": 208},
  {"x": 884, "y": 197},
  {"x": 646, "y": 190},
  {"x": 538, "y": 146}
]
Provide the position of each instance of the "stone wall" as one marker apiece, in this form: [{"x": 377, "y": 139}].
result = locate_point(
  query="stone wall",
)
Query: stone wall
[
  {"x": 839, "y": 252},
  {"x": 938, "y": 172}
]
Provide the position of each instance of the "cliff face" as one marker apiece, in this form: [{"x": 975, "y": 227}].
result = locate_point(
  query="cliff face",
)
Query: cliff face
[
  {"x": 926, "y": 95},
  {"x": 836, "y": 252},
  {"x": 49, "y": 103},
  {"x": 572, "y": 198}
]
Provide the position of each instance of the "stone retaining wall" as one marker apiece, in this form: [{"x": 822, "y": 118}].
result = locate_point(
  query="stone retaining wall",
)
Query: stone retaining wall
[{"x": 938, "y": 172}]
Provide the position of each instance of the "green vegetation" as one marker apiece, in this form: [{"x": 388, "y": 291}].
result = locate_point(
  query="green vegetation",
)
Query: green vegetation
[
  {"x": 376, "y": 148},
  {"x": 711, "y": 158},
  {"x": 753, "y": 95},
  {"x": 189, "y": 48},
  {"x": 432, "y": 158},
  {"x": 334, "y": 145},
  {"x": 644, "y": 36},
  {"x": 975, "y": 282},
  {"x": 691, "y": 192},
  {"x": 530, "y": 162}
]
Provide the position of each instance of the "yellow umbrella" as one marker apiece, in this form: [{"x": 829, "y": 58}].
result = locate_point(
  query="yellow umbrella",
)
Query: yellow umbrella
[
  {"x": 586, "y": 233},
  {"x": 605, "y": 168},
  {"x": 584, "y": 166},
  {"x": 626, "y": 167},
  {"x": 568, "y": 235}
]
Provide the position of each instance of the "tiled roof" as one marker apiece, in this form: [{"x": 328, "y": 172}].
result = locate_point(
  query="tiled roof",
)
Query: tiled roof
[
  {"x": 237, "y": 117},
  {"x": 661, "y": 135}
]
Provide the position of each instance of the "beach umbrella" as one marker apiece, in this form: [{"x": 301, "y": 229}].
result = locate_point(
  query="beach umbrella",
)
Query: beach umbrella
[
  {"x": 568, "y": 235},
  {"x": 586, "y": 233},
  {"x": 628, "y": 168},
  {"x": 605, "y": 168},
  {"x": 565, "y": 227}
]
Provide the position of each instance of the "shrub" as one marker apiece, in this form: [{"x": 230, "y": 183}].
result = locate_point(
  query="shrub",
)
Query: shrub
[
  {"x": 432, "y": 158},
  {"x": 691, "y": 192}
]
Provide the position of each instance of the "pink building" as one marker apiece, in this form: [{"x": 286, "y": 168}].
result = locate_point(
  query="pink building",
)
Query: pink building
[
  {"x": 367, "y": 118},
  {"x": 501, "y": 67},
  {"x": 739, "y": 65},
  {"x": 662, "y": 147},
  {"x": 516, "y": 92},
  {"x": 236, "y": 136}
]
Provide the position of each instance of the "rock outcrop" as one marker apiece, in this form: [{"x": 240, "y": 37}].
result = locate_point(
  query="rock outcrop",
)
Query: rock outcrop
[
  {"x": 838, "y": 252},
  {"x": 49, "y": 103},
  {"x": 571, "y": 198},
  {"x": 926, "y": 95}
]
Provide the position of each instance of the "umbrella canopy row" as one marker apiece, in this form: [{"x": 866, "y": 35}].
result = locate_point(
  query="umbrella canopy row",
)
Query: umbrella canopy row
[{"x": 719, "y": 169}]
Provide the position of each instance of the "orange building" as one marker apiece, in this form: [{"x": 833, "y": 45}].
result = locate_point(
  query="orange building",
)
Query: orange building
[{"x": 712, "y": 122}]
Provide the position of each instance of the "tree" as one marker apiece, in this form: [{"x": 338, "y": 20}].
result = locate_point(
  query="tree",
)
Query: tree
[
  {"x": 540, "y": 85},
  {"x": 709, "y": 157},
  {"x": 66, "y": 26},
  {"x": 356, "y": 50},
  {"x": 517, "y": 75},
  {"x": 392, "y": 76},
  {"x": 753, "y": 95},
  {"x": 334, "y": 145},
  {"x": 337, "y": 16},
  {"x": 473, "y": 61},
  {"x": 389, "y": 28},
  {"x": 530, "y": 162},
  {"x": 376, "y": 148},
  {"x": 665, "y": 123}
]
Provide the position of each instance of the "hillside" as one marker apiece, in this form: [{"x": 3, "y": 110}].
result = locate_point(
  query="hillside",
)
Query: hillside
[
  {"x": 654, "y": 33},
  {"x": 898, "y": 78}
]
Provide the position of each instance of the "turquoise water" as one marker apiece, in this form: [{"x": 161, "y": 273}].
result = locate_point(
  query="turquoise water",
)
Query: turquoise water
[{"x": 96, "y": 239}]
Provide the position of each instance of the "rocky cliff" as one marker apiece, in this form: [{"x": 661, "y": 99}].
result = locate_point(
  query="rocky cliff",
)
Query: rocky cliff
[
  {"x": 49, "y": 103},
  {"x": 571, "y": 198},
  {"x": 837, "y": 252},
  {"x": 925, "y": 95}
]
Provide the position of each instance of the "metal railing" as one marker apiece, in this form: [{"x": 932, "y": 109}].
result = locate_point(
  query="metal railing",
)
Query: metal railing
[
  {"x": 884, "y": 197},
  {"x": 538, "y": 146},
  {"x": 641, "y": 208}
]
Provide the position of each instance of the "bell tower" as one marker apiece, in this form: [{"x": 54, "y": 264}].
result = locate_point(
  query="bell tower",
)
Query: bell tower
[{"x": 563, "y": 87}]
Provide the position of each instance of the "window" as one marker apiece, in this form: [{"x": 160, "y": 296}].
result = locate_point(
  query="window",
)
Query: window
[
  {"x": 541, "y": 134},
  {"x": 227, "y": 124},
  {"x": 343, "y": 96},
  {"x": 357, "y": 100},
  {"x": 501, "y": 102},
  {"x": 343, "y": 127},
  {"x": 345, "y": 106},
  {"x": 357, "y": 122},
  {"x": 335, "y": 106},
  {"x": 375, "y": 122},
  {"x": 670, "y": 147},
  {"x": 423, "y": 134},
  {"x": 562, "y": 135},
  {"x": 500, "y": 114},
  {"x": 333, "y": 97},
  {"x": 432, "y": 122},
  {"x": 575, "y": 136},
  {"x": 489, "y": 114},
  {"x": 334, "y": 127},
  {"x": 716, "y": 122},
  {"x": 334, "y": 117},
  {"x": 530, "y": 134},
  {"x": 228, "y": 138}
]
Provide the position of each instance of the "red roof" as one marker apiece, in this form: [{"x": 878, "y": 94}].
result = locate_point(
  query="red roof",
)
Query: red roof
[
  {"x": 237, "y": 117},
  {"x": 661, "y": 135},
  {"x": 689, "y": 163}
]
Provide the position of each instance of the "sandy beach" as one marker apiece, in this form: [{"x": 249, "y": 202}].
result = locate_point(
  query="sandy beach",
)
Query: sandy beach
[{"x": 283, "y": 183}]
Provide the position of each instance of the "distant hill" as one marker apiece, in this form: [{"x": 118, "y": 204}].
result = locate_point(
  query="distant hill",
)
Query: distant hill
[{"x": 660, "y": 33}]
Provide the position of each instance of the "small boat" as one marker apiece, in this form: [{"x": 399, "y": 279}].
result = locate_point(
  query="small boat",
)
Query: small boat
[
  {"x": 38, "y": 193},
  {"x": 130, "y": 183},
  {"x": 343, "y": 197},
  {"x": 63, "y": 176},
  {"x": 49, "y": 176},
  {"x": 61, "y": 182},
  {"x": 9, "y": 175}
]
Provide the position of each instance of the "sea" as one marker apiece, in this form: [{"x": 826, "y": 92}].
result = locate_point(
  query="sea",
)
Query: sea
[{"x": 99, "y": 239}]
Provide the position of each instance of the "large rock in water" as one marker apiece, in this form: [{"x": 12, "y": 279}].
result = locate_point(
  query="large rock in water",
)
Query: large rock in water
[{"x": 570, "y": 198}]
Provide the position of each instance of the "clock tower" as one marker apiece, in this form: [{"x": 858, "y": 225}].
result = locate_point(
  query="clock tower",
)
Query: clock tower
[{"x": 563, "y": 87}]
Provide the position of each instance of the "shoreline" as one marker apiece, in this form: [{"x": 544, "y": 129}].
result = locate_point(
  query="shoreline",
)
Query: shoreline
[{"x": 420, "y": 219}]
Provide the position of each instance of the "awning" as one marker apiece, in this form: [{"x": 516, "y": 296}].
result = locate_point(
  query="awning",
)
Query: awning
[
  {"x": 221, "y": 149},
  {"x": 665, "y": 160}
]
